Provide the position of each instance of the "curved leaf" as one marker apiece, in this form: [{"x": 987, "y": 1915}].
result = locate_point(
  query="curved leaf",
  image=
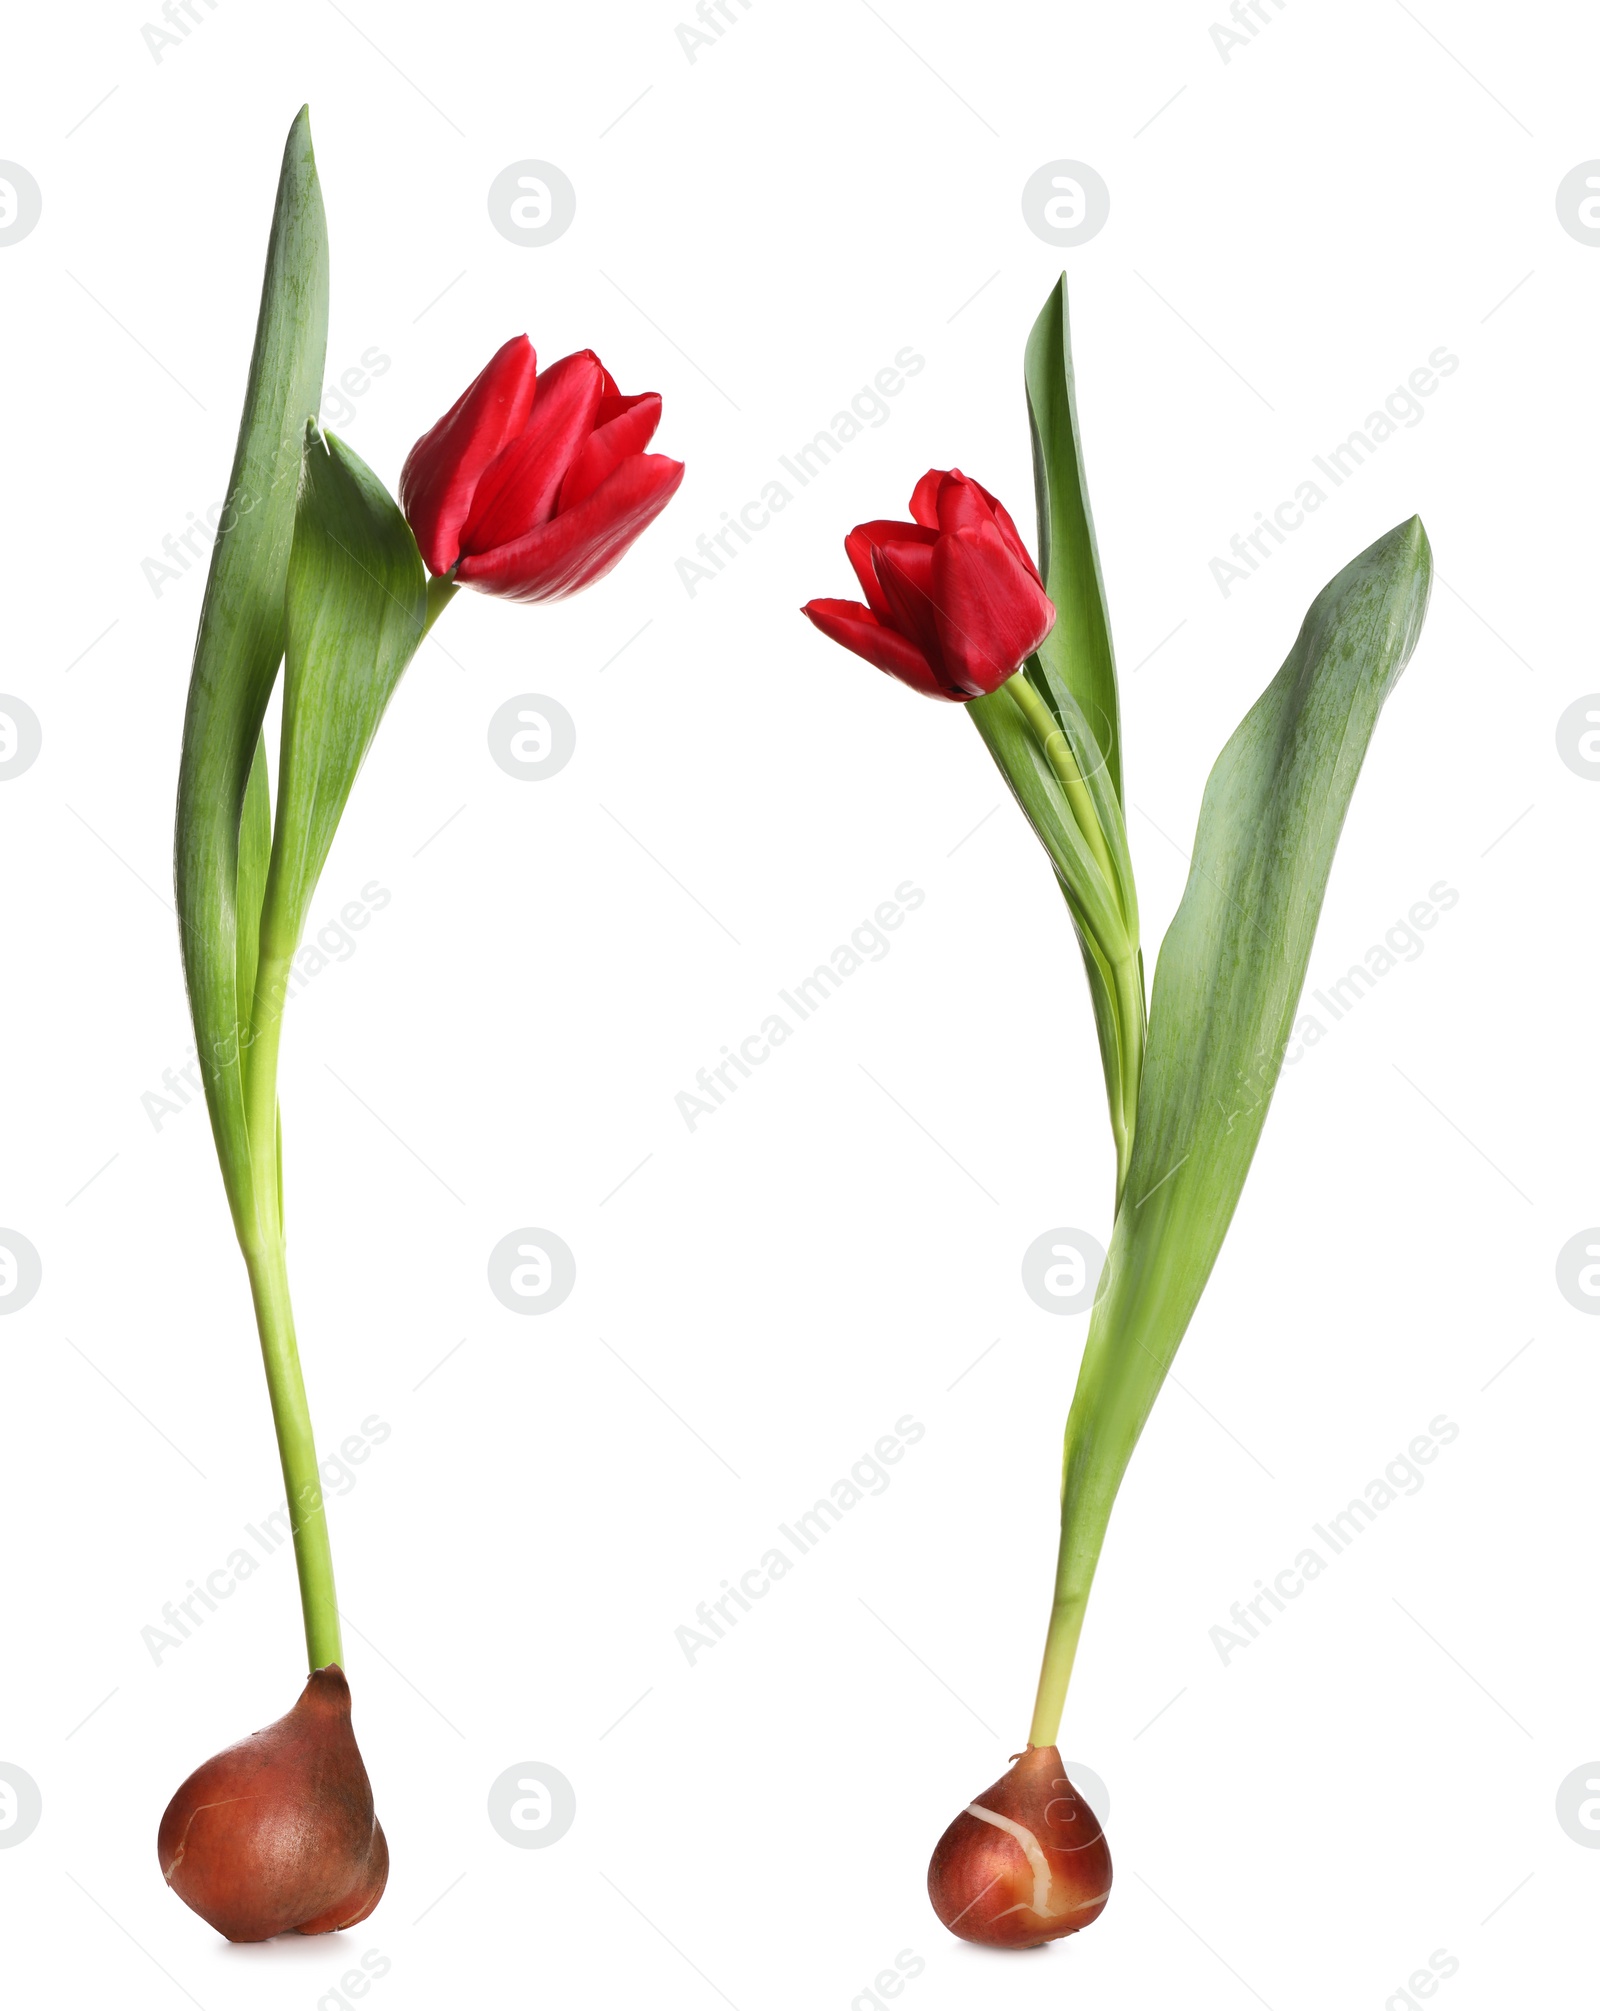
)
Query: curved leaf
[
  {"x": 1079, "y": 822},
  {"x": 240, "y": 644},
  {"x": 1078, "y": 649},
  {"x": 1227, "y": 986},
  {"x": 356, "y": 603},
  {"x": 1039, "y": 793}
]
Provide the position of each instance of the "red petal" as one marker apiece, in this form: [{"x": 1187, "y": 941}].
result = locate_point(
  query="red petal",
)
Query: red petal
[
  {"x": 859, "y": 545},
  {"x": 906, "y": 575},
  {"x": 442, "y": 469},
  {"x": 519, "y": 489},
  {"x": 966, "y": 504},
  {"x": 990, "y": 611},
  {"x": 1013, "y": 537},
  {"x": 572, "y": 550},
  {"x": 858, "y": 629},
  {"x": 925, "y": 498},
  {"x": 628, "y": 429},
  {"x": 954, "y": 502}
]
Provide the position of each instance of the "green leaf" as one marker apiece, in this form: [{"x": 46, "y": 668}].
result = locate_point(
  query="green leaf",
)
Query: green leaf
[
  {"x": 1078, "y": 649},
  {"x": 1074, "y": 672},
  {"x": 357, "y": 605},
  {"x": 1043, "y": 745},
  {"x": 1039, "y": 793},
  {"x": 1093, "y": 766},
  {"x": 255, "y": 856},
  {"x": 255, "y": 853},
  {"x": 240, "y": 644},
  {"x": 1227, "y": 986}
]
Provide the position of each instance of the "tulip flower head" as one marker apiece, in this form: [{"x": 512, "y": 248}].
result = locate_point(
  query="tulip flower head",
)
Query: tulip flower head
[
  {"x": 534, "y": 484},
  {"x": 954, "y": 603}
]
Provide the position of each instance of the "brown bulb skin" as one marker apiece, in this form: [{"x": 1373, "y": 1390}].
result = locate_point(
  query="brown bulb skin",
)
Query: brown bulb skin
[
  {"x": 277, "y": 1834},
  {"x": 1024, "y": 1863}
]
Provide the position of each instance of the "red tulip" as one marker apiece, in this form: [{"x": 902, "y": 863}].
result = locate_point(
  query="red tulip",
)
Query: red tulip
[
  {"x": 1025, "y": 1863},
  {"x": 954, "y": 603},
  {"x": 532, "y": 486},
  {"x": 278, "y": 1832}
]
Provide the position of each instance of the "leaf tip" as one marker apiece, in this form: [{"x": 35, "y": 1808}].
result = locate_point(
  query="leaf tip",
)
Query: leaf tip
[
  {"x": 1410, "y": 541},
  {"x": 1052, "y": 314},
  {"x": 298, "y": 145}
]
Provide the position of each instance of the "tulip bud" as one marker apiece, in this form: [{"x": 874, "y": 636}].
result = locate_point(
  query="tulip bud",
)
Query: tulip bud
[
  {"x": 278, "y": 1832},
  {"x": 954, "y": 603},
  {"x": 1023, "y": 1864},
  {"x": 533, "y": 484}
]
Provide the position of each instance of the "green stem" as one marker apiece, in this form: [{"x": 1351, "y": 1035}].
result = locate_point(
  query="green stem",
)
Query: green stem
[
  {"x": 1057, "y": 750},
  {"x": 1122, "y": 1139},
  {"x": 266, "y": 1260},
  {"x": 302, "y": 1475},
  {"x": 1087, "y": 1492},
  {"x": 261, "y": 1092},
  {"x": 1129, "y": 986},
  {"x": 442, "y": 590},
  {"x": 1092, "y": 1468},
  {"x": 1100, "y": 1438},
  {"x": 1060, "y": 1651},
  {"x": 1127, "y": 982}
]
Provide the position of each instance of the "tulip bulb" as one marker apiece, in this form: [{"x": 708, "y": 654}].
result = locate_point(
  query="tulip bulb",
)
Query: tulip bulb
[
  {"x": 1025, "y": 1863},
  {"x": 277, "y": 1833}
]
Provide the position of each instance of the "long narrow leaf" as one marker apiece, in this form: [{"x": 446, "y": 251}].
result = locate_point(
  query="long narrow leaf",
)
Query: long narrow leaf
[
  {"x": 240, "y": 643},
  {"x": 1078, "y": 648},
  {"x": 1098, "y": 970},
  {"x": 1074, "y": 672},
  {"x": 1227, "y": 985}
]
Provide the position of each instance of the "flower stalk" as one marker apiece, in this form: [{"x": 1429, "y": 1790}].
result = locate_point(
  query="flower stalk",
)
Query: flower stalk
[
  {"x": 302, "y": 1477},
  {"x": 266, "y": 1262}
]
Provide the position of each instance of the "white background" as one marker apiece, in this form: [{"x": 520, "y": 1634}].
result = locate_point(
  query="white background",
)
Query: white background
[{"x": 1292, "y": 232}]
